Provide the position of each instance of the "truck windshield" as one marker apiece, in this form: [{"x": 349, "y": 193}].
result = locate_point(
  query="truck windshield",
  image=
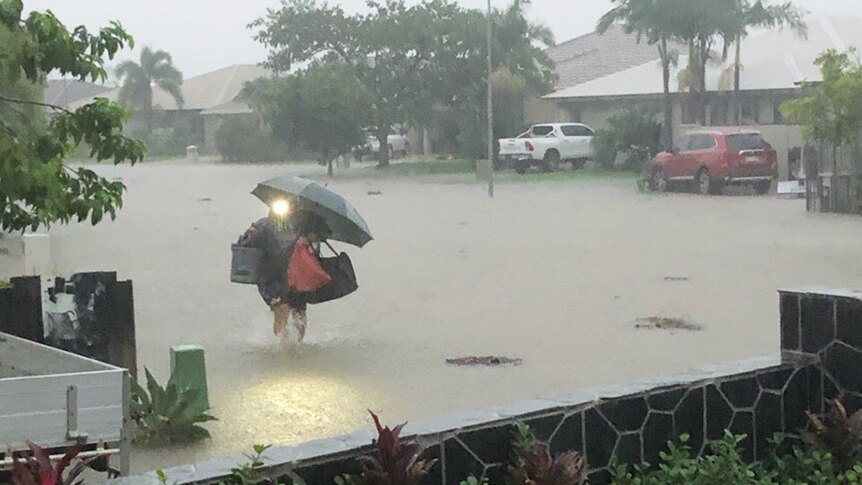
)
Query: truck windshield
[{"x": 746, "y": 141}]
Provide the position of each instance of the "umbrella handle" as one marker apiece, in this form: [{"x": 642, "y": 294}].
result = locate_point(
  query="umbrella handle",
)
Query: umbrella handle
[{"x": 330, "y": 247}]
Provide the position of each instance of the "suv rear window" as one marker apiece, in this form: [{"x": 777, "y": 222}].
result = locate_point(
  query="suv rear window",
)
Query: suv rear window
[
  {"x": 745, "y": 141},
  {"x": 542, "y": 130}
]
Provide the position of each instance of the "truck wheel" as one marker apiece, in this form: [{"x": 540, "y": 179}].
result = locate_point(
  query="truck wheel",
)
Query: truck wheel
[
  {"x": 762, "y": 188},
  {"x": 578, "y": 163},
  {"x": 551, "y": 163},
  {"x": 703, "y": 183}
]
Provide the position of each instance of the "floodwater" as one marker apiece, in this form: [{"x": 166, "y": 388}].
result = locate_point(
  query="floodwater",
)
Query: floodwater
[{"x": 551, "y": 273}]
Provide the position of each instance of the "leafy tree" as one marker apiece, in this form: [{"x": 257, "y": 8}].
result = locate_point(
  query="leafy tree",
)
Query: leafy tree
[
  {"x": 658, "y": 22},
  {"x": 322, "y": 109},
  {"x": 411, "y": 59},
  {"x": 832, "y": 113},
  {"x": 36, "y": 188},
  {"x": 386, "y": 50},
  {"x": 758, "y": 15},
  {"x": 155, "y": 68}
]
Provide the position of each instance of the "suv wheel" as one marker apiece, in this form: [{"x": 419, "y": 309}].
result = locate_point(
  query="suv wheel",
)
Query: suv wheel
[
  {"x": 703, "y": 182},
  {"x": 658, "y": 180},
  {"x": 762, "y": 187}
]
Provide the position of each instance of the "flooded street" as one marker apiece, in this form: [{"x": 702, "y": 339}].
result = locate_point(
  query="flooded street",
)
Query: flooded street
[{"x": 551, "y": 273}]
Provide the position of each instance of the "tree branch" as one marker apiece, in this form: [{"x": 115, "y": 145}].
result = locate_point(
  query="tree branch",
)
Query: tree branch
[{"x": 35, "y": 103}]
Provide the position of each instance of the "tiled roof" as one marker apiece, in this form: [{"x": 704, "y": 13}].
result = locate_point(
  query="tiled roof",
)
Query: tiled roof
[
  {"x": 594, "y": 55},
  {"x": 63, "y": 92}
]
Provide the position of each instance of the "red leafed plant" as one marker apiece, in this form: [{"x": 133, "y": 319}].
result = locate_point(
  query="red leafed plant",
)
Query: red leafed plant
[
  {"x": 533, "y": 465},
  {"x": 36, "y": 468},
  {"x": 393, "y": 462}
]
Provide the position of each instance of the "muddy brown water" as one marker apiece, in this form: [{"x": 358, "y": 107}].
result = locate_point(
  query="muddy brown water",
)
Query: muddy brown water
[{"x": 551, "y": 273}]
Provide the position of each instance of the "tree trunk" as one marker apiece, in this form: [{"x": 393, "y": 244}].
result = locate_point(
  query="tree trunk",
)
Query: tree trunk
[
  {"x": 737, "y": 65},
  {"x": 383, "y": 141},
  {"x": 148, "y": 112},
  {"x": 667, "y": 131},
  {"x": 703, "y": 57}
]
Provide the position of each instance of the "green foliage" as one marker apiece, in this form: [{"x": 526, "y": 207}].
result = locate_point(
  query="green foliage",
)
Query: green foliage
[
  {"x": 411, "y": 58},
  {"x": 5, "y": 284},
  {"x": 322, "y": 109},
  {"x": 472, "y": 480},
  {"x": 250, "y": 472},
  {"x": 162, "y": 142},
  {"x": 36, "y": 188},
  {"x": 509, "y": 90},
  {"x": 724, "y": 464},
  {"x": 245, "y": 140},
  {"x": 167, "y": 415},
  {"x": 633, "y": 131},
  {"x": 532, "y": 464},
  {"x": 833, "y": 112}
]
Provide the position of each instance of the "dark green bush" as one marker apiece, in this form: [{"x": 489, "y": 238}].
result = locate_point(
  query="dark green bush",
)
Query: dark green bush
[
  {"x": 246, "y": 140},
  {"x": 632, "y": 131}
]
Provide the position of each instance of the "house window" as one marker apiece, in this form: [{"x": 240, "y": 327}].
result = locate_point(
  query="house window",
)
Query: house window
[
  {"x": 749, "y": 112},
  {"x": 718, "y": 111}
]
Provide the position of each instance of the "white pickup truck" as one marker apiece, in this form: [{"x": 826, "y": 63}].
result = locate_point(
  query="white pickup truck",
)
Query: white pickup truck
[{"x": 547, "y": 145}]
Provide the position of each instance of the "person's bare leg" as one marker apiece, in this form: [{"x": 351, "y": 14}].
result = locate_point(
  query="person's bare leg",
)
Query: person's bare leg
[
  {"x": 282, "y": 316},
  {"x": 300, "y": 320}
]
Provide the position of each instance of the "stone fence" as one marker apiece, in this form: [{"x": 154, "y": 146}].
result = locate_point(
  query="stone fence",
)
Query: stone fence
[{"x": 821, "y": 353}]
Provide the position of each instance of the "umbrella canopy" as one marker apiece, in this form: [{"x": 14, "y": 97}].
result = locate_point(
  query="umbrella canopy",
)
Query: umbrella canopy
[{"x": 302, "y": 194}]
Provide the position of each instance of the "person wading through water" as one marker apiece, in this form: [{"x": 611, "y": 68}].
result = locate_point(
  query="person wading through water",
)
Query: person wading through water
[{"x": 290, "y": 266}]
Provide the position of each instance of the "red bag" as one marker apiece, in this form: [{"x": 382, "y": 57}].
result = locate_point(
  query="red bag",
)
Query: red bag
[{"x": 304, "y": 272}]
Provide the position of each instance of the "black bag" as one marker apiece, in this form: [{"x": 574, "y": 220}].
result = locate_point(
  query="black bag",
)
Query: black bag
[{"x": 343, "y": 283}]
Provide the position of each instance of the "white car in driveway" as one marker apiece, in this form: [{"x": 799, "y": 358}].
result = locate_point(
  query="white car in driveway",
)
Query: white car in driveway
[{"x": 547, "y": 145}]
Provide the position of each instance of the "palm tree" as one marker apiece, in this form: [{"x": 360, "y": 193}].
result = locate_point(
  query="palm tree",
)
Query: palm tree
[
  {"x": 758, "y": 15},
  {"x": 658, "y": 22},
  {"x": 156, "y": 68},
  {"x": 519, "y": 46}
]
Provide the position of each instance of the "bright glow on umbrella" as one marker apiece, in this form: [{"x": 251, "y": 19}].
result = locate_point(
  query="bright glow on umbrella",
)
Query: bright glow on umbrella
[{"x": 280, "y": 207}]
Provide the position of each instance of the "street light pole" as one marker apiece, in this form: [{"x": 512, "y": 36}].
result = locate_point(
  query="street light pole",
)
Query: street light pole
[{"x": 490, "y": 111}]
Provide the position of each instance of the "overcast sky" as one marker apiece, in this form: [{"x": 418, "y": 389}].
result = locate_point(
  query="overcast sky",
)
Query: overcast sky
[{"x": 204, "y": 35}]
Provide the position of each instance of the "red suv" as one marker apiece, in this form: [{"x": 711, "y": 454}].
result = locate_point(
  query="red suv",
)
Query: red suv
[{"x": 713, "y": 159}]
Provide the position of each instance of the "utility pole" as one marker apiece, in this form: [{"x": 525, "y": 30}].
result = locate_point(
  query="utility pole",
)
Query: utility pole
[{"x": 490, "y": 111}]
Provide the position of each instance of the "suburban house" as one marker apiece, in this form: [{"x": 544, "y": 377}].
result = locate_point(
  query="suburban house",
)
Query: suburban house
[
  {"x": 65, "y": 92},
  {"x": 776, "y": 64},
  {"x": 209, "y": 99}
]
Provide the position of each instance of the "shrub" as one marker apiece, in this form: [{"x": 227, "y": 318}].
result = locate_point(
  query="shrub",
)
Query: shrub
[
  {"x": 165, "y": 142},
  {"x": 633, "y": 132},
  {"x": 167, "y": 416},
  {"x": 724, "y": 464},
  {"x": 245, "y": 140},
  {"x": 532, "y": 464}
]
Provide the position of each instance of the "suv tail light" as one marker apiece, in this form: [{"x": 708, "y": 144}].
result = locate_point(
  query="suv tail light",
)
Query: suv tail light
[{"x": 529, "y": 146}]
